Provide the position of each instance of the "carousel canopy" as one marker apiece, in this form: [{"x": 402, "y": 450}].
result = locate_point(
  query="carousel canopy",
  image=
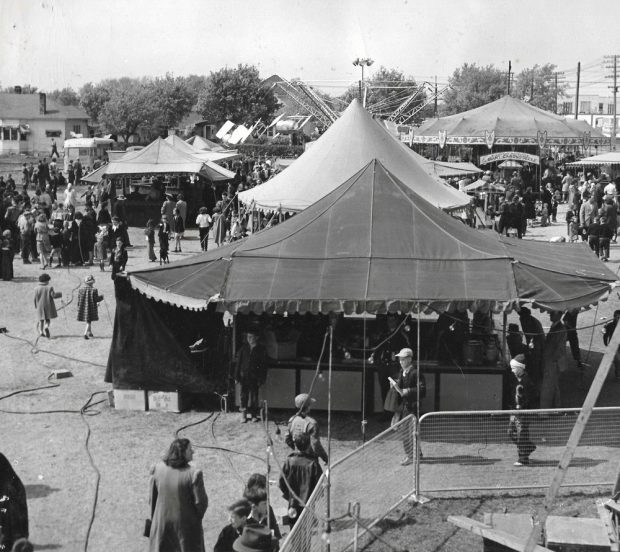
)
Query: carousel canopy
[
  {"x": 160, "y": 157},
  {"x": 374, "y": 245},
  {"x": 609, "y": 158},
  {"x": 508, "y": 121},
  {"x": 347, "y": 146}
]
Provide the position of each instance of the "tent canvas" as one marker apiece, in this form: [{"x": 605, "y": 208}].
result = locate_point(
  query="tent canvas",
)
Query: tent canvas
[
  {"x": 213, "y": 156},
  {"x": 374, "y": 245},
  {"x": 348, "y": 145},
  {"x": 160, "y": 157},
  {"x": 203, "y": 144},
  {"x": 609, "y": 158},
  {"x": 507, "y": 121}
]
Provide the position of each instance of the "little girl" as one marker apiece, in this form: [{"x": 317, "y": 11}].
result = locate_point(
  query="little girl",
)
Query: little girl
[
  {"x": 164, "y": 238},
  {"x": 101, "y": 245},
  {"x": 44, "y": 296},
  {"x": 149, "y": 232},
  {"x": 88, "y": 298}
]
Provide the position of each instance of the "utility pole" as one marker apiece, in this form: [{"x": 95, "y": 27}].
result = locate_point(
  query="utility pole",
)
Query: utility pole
[
  {"x": 614, "y": 126},
  {"x": 509, "y": 75},
  {"x": 556, "y": 92},
  {"x": 435, "y": 111},
  {"x": 577, "y": 92}
]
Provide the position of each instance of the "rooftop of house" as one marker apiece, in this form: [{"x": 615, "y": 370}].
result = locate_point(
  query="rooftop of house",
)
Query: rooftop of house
[{"x": 27, "y": 106}]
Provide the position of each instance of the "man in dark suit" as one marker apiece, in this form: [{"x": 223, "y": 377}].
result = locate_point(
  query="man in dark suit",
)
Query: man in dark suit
[{"x": 524, "y": 398}]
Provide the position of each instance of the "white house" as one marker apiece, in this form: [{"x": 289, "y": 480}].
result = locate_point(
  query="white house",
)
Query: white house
[{"x": 29, "y": 122}]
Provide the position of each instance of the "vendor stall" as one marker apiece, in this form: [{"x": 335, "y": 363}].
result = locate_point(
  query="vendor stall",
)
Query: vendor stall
[{"x": 404, "y": 256}]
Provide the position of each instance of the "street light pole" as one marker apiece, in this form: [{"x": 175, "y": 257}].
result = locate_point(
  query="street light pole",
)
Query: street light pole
[{"x": 362, "y": 62}]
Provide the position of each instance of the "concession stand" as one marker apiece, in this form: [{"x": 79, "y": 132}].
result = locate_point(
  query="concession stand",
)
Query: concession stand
[
  {"x": 321, "y": 285},
  {"x": 143, "y": 177}
]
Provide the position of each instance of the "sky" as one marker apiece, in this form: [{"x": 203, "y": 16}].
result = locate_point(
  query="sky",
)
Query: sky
[{"x": 56, "y": 43}]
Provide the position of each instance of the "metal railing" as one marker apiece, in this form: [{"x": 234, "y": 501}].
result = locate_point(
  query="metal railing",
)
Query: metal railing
[{"x": 477, "y": 450}]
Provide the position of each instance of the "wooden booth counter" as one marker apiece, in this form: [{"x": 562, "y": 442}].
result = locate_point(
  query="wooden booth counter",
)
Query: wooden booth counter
[{"x": 448, "y": 387}]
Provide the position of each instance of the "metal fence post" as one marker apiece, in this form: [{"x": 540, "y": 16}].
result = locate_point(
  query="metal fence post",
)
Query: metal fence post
[{"x": 416, "y": 471}]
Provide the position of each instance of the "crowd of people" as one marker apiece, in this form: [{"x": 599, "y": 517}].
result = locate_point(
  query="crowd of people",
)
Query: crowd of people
[{"x": 592, "y": 205}]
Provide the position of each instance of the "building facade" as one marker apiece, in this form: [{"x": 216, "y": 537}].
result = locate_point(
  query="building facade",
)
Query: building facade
[
  {"x": 29, "y": 123},
  {"x": 596, "y": 110}
]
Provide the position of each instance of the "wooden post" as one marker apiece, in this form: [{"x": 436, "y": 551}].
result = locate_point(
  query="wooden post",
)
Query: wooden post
[{"x": 573, "y": 440}]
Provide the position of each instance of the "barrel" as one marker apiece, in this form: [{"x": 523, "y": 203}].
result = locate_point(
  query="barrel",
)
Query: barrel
[{"x": 473, "y": 352}]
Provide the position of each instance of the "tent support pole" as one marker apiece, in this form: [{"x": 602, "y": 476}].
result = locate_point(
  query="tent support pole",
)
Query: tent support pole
[
  {"x": 328, "y": 526},
  {"x": 417, "y": 420},
  {"x": 504, "y": 338}
]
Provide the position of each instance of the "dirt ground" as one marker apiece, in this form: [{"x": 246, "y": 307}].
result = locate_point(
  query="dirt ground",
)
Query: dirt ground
[{"x": 47, "y": 448}]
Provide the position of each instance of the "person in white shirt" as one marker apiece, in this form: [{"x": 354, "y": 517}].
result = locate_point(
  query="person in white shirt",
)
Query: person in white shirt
[{"x": 204, "y": 221}]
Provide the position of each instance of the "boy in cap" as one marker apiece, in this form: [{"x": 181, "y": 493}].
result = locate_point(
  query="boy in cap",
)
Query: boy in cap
[
  {"x": 303, "y": 423},
  {"x": 238, "y": 513},
  {"x": 524, "y": 397},
  {"x": 407, "y": 387},
  {"x": 301, "y": 473}
]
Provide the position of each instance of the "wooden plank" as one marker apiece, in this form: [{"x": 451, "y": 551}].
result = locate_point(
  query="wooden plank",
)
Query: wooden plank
[
  {"x": 612, "y": 506},
  {"x": 573, "y": 440},
  {"x": 501, "y": 537},
  {"x": 606, "y": 518}
]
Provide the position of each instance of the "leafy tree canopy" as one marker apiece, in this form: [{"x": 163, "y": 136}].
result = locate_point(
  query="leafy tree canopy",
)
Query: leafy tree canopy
[
  {"x": 236, "y": 94},
  {"x": 472, "y": 86},
  {"x": 536, "y": 85},
  {"x": 66, "y": 96}
]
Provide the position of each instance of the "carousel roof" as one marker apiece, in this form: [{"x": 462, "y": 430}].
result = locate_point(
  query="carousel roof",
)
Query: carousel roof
[{"x": 508, "y": 121}]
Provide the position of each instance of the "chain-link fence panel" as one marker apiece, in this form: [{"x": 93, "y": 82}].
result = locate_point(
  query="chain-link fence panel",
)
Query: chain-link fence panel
[
  {"x": 500, "y": 450},
  {"x": 364, "y": 487}
]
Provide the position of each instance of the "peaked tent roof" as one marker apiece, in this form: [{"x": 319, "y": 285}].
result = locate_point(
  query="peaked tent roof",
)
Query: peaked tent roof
[
  {"x": 513, "y": 121},
  {"x": 373, "y": 244},
  {"x": 160, "y": 157},
  {"x": 349, "y": 144},
  {"x": 203, "y": 144},
  {"x": 213, "y": 156}
]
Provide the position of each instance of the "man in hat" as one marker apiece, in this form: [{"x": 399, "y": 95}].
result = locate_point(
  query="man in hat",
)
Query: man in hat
[
  {"x": 554, "y": 362},
  {"x": 302, "y": 422},
  {"x": 407, "y": 388},
  {"x": 255, "y": 538},
  {"x": 535, "y": 341},
  {"x": 251, "y": 373},
  {"x": 524, "y": 396}
]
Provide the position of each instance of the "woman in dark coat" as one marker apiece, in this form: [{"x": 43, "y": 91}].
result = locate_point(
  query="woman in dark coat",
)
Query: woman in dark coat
[
  {"x": 6, "y": 256},
  {"x": 13, "y": 509},
  {"x": 88, "y": 300},
  {"x": 178, "y": 502},
  {"x": 529, "y": 204}
]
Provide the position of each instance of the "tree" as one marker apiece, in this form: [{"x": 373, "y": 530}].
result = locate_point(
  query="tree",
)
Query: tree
[
  {"x": 128, "y": 108},
  {"x": 236, "y": 95},
  {"x": 93, "y": 97},
  {"x": 66, "y": 96},
  {"x": 170, "y": 101},
  {"x": 536, "y": 85},
  {"x": 26, "y": 89},
  {"x": 472, "y": 86},
  {"x": 387, "y": 89}
]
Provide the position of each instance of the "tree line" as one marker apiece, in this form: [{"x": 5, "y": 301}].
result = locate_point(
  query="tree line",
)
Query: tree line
[{"x": 149, "y": 106}]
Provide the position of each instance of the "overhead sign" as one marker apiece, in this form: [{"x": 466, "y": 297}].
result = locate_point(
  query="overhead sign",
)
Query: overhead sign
[
  {"x": 509, "y": 156},
  {"x": 226, "y": 127}
]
